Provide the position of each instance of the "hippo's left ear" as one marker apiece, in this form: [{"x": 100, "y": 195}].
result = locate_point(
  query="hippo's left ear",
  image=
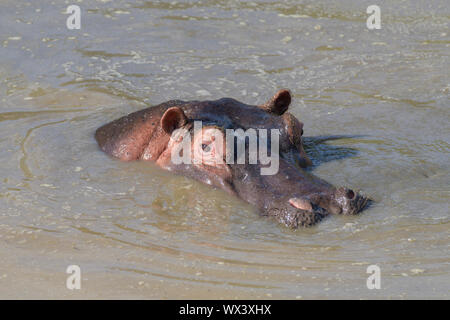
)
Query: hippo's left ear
[
  {"x": 172, "y": 119},
  {"x": 279, "y": 102}
]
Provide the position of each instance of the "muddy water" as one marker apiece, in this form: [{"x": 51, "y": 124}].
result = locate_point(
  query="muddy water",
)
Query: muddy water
[{"x": 376, "y": 110}]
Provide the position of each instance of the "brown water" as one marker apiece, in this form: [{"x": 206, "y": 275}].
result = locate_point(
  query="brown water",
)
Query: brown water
[{"x": 376, "y": 110}]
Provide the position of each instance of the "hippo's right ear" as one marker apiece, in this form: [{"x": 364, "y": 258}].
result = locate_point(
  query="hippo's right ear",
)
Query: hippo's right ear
[
  {"x": 172, "y": 119},
  {"x": 279, "y": 102}
]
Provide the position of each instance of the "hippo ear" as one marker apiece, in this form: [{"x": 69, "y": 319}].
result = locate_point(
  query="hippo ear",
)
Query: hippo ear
[
  {"x": 172, "y": 119},
  {"x": 279, "y": 102}
]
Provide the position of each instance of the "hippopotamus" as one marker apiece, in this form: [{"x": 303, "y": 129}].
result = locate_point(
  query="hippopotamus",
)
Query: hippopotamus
[{"x": 290, "y": 194}]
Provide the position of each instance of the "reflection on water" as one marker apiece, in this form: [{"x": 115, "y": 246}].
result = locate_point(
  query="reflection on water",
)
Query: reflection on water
[{"x": 375, "y": 108}]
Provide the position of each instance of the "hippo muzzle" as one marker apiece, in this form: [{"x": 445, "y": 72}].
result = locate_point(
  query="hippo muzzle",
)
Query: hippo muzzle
[{"x": 349, "y": 202}]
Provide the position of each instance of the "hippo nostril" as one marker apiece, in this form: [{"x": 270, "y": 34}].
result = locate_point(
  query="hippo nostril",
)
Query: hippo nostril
[{"x": 350, "y": 194}]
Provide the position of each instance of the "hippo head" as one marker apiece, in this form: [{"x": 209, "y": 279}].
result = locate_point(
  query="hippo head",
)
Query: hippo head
[{"x": 255, "y": 153}]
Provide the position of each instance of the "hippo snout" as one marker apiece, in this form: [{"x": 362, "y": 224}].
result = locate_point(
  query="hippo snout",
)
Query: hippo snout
[{"x": 349, "y": 201}]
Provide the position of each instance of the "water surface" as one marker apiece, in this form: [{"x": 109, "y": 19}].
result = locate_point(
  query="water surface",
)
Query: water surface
[{"x": 376, "y": 110}]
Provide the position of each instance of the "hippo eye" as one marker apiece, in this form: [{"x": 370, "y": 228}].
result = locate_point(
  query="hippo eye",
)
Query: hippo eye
[{"x": 206, "y": 147}]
